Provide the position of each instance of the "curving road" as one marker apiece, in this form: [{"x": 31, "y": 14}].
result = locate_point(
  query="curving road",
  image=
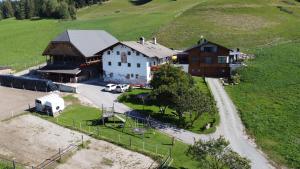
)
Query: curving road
[{"x": 232, "y": 128}]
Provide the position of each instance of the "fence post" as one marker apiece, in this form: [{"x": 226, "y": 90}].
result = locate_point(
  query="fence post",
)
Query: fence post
[
  {"x": 14, "y": 164},
  {"x": 59, "y": 151},
  {"x": 119, "y": 138},
  {"x": 170, "y": 152},
  {"x": 130, "y": 143},
  {"x": 156, "y": 149}
]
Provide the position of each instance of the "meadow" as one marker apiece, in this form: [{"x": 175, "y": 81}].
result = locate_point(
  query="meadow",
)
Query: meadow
[{"x": 268, "y": 100}]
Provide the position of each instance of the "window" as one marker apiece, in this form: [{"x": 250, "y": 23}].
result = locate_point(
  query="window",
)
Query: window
[
  {"x": 132, "y": 75},
  {"x": 128, "y": 53},
  {"x": 118, "y": 52},
  {"x": 222, "y": 59},
  {"x": 138, "y": 65},
  {"x": 208, "y": 60},
  {"x": 137, "y": 76},
  {"x": 195, "y": 59},
  {"x": 108, "y": 52},
  {"x": 209, "y": 48},
  {"x": 129, "y": 64},
  {"x": 111, "y": 75},
  {"x": 119, "y": 64},
  {"x": 109, "y": 63},
  {"x": 128, "y": 76},
  {"x": 154, "y": 63},
  {"x": 137, "y": 53}
]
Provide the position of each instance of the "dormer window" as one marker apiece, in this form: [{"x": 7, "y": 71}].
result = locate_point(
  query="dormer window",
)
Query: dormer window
[
  {"x": 137, "y": 53},
  {"x": 128, "y": 53},
  {"x": 108, "y": 52},
  {"x": 118, "y": 52}
]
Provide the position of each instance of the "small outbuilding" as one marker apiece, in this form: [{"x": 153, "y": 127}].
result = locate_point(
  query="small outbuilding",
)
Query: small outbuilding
[{"x": 51, "y": 104}]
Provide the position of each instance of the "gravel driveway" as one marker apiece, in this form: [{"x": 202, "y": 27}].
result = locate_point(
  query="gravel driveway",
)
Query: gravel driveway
[
  {"x": 93, "y": 91},
  {"x": 232, "y": 128}
]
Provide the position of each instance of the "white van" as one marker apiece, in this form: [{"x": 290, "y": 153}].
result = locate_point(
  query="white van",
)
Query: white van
[{"x": 51, "y": 104}]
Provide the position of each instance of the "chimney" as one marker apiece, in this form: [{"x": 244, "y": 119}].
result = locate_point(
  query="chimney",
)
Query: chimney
[
  {"x": 142, "y": 40},
  {"x": 154, "y": 40}
]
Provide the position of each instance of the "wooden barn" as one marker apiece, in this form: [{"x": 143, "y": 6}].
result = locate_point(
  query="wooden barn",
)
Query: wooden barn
[
  {"x": 75, "y": 55},
  {"x": 207, "y": 59}
]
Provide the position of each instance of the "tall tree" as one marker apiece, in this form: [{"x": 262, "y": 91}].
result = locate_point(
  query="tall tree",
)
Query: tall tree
[
  {"x": 20, "y": 10},
  {"x": 29, "y": 9},
  {"x": 7, "y": 9}
]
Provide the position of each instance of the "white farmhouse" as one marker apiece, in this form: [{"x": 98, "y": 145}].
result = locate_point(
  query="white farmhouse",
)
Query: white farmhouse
[{"x": 131, "y": 62}]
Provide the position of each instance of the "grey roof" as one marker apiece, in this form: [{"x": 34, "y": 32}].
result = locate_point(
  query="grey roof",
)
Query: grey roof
[
  {"x": 150, "y": 49},
  {"x": 88, "y": 42}
]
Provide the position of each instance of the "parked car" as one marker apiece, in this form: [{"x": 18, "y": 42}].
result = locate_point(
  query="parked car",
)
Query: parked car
[
  {"x": 122, "y": 88},
  {"x": 110, "y": 87}
]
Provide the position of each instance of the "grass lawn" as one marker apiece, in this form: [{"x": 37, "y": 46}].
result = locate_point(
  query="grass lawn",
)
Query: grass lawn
[
  {"x": 86, "y": 119},
  {"x": 234, "y": 23},
  {"x": 151, "y": 108},
  {"x": 268, "y": 100}
]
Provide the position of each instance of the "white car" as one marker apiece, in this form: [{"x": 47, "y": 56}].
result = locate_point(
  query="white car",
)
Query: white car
[
  {"x": 122, "y": 88},
  {"x": 110, "y": 87}
]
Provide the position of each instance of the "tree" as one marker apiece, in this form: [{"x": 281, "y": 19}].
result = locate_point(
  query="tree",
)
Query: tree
[
  {"x": 194, "y": 102},
  {"x": 63, "y": 11},
  {"x": 176, "y": 89},
  {"x": 165, "y": 84},
  {"x": 7, "y": 9},
  {"x": 216, "y": 154},
  {"x": 29, "y": 9},
  {"x": 20, "y": 10},
  {"x": 1, "y": 17}
]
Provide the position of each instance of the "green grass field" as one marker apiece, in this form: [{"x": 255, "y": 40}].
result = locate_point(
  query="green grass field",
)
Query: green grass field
[
  {"x": 86, "y": 119},
  {"x": 268, "y": 100}
]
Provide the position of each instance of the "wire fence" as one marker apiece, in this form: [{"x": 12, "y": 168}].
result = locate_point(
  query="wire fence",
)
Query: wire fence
[
  {"x": 126, "y": 138},
  {"x": 12, "y": 164}
]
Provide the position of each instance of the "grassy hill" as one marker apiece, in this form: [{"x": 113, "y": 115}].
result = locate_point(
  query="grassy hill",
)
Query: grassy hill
[{"x": 267, "y": 98}]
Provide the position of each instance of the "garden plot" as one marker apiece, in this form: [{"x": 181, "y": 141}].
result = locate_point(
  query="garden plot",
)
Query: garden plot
[
  {"x": 16, "y": 101},
  {"x": 30, "y": 140}
]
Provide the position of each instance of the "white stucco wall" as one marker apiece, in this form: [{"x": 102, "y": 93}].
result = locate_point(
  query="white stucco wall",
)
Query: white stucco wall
[{"x": 120, "y": 73}]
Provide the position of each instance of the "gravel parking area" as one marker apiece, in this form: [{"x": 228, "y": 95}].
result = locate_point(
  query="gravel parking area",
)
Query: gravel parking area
[{"x": 16, "y": 101}]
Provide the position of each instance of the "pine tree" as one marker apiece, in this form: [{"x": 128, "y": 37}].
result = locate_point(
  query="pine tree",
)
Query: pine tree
[
  {"x": 7, "y": 9},
  {"x": 29, "y": 9},
  {"x": 20, "y": 10}
]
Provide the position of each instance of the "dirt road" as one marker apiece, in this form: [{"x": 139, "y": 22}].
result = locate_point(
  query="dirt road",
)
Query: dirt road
[{"x": 232, "y": 128}]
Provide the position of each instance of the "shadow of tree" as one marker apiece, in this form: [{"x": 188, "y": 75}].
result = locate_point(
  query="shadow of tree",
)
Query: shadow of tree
[{"x": 140, "y": 2}]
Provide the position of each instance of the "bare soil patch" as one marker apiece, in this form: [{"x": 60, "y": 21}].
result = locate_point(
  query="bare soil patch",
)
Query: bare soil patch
[
  {"x": 16, "y": 101},
  {"x": 102, "y": 155},
  {"x": 30, "y": 140}
]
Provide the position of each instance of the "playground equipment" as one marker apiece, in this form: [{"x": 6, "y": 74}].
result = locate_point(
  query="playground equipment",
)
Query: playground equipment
[{"x": 108, "y": 113}]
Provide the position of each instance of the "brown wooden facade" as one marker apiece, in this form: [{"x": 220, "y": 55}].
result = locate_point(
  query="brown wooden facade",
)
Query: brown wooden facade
[
  {"x": 66, "y": 64},
  {"x": 207, "y": 59}
]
